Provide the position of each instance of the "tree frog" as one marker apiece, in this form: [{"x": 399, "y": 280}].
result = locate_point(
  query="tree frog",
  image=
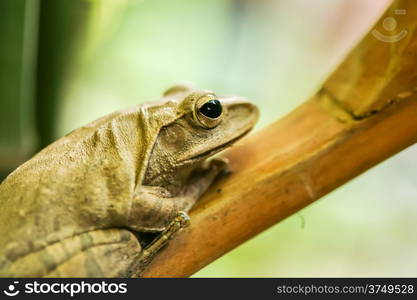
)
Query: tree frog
[{"x": 87, "y": 205}]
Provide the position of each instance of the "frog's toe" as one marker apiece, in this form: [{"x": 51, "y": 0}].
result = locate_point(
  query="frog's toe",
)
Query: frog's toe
[{"x": 222, "y": 165}]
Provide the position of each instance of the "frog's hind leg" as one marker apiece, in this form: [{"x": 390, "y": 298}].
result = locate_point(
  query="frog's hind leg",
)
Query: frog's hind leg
[
  {"x": 180, "y": 221},
  {"x": 104, "y": 253},
  {"x": 114, "y": 252}
]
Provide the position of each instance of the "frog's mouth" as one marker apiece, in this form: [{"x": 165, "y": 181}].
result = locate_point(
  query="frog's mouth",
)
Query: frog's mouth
[{"x": 217, "y": 149}]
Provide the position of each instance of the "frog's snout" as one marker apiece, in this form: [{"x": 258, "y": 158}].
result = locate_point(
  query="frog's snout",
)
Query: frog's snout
[{"x": 241, "y": 111}]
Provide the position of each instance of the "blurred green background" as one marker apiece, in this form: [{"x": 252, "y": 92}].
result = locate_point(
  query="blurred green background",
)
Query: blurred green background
[{"x": 64, "y": 63}]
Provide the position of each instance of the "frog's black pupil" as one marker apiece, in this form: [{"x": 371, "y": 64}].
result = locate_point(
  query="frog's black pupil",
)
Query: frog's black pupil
[{"x": 211, "y": 109}]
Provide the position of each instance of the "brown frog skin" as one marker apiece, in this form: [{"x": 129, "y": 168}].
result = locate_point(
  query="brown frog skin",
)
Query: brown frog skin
[{"x": 78, "y": 207}]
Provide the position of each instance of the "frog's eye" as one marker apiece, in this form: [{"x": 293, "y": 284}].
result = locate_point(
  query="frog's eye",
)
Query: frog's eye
[
  {"x": 208, "y": 112},
  {"x": 211, "y": 109}
]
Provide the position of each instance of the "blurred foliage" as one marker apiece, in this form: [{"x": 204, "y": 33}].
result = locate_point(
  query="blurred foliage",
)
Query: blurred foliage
[
  {"x": 65, "y": 41},
  {"x": 18, "y": 31},
  {"x": 62, "y": 28},
  {"x": 96, "y": 56}
]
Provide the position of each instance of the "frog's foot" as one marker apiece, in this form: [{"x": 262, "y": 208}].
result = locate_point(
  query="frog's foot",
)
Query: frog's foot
[
  {"x": 221, "y": 165},
  {"x": 213, "y": 168},
  {"x": 180, "y": 221}
]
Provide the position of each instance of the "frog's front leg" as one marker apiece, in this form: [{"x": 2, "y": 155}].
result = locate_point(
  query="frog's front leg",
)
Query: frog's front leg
[{"x": 153, "y": 208}]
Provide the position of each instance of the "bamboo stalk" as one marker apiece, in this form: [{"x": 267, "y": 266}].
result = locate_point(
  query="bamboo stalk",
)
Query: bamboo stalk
[
  {"x": 365, "y": 113},
  {"x": 18, "y": 30},
  {"x": 63, "y": 32}
]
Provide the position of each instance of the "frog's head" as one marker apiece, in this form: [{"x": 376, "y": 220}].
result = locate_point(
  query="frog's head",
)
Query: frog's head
[{"x": 194, "y": 125}]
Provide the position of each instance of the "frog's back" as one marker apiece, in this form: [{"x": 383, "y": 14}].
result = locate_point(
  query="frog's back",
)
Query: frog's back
[{"x": 80, "y": 183}]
